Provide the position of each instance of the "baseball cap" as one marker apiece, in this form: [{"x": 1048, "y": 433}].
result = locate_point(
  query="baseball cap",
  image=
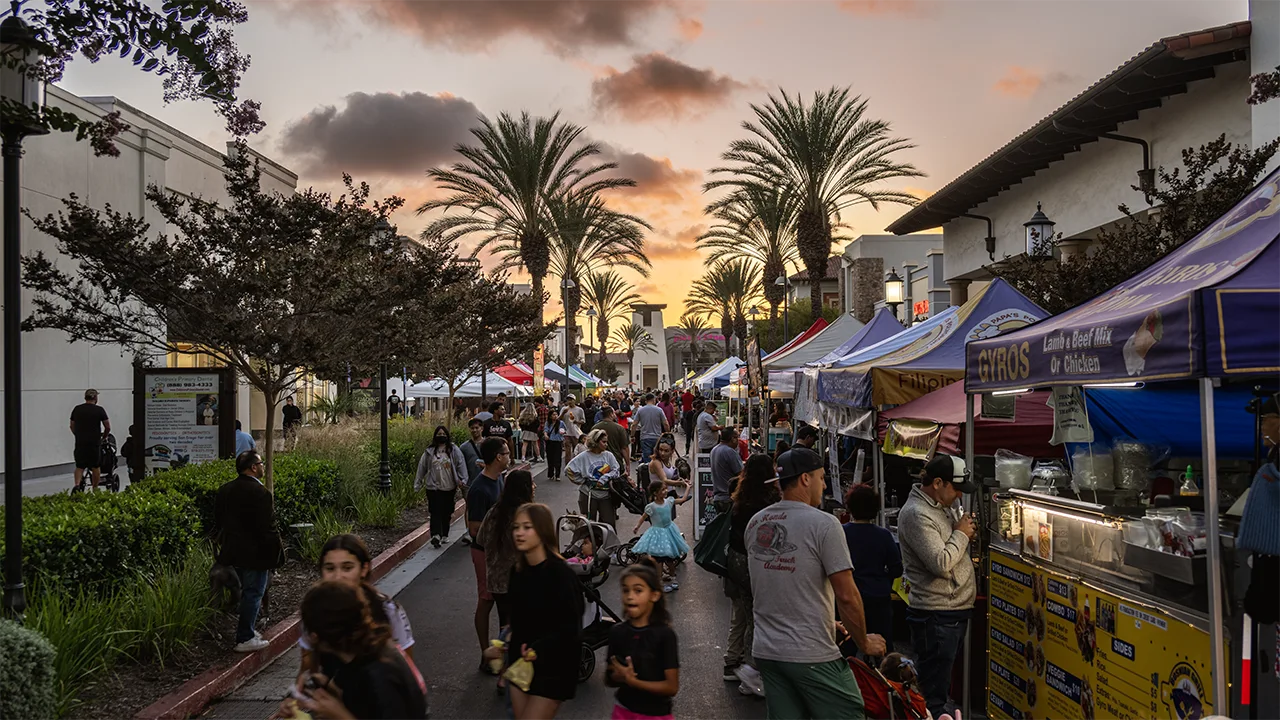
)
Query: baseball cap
[
  {"x": 953, "y": 470},
  {"x": 798, "y": 461},
  {"x": 806, "y": 432}
]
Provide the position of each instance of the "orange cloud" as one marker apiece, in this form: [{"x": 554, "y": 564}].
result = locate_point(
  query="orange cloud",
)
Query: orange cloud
[
  {"x": 1021, "y": 82},
  {"x": 657, "y": 178},
  {"x": 680, "y": 245},
  {"x": 880, "y": 7},
  {"x": 690, "y": 28},
  {"x": 658, "y": 86}
]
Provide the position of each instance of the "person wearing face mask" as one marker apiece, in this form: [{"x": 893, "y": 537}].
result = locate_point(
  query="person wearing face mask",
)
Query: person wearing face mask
[
  {"x": 935, "y": 535},
  {"x": 441, "y": 470}
]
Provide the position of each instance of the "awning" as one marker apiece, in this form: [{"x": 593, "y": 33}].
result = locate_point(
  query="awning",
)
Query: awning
[
  {"x": 883, "y": 326},
  {"x": 817, "y": 345},
  {"x": 1027, "y": 433}
]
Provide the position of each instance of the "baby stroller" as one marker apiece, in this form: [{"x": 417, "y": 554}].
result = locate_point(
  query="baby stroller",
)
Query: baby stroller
[
  {"x": 597, "y": 617},
  {"x": 108, "y": 463},
  {"x": 886, "y": 699}
]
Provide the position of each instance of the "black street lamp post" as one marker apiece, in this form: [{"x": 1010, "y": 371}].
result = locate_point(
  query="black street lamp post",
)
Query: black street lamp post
[
  {"x": 19, "y": 53},
  {"x": 384, "y": 462},
  {"x": 783, "y": 283}
]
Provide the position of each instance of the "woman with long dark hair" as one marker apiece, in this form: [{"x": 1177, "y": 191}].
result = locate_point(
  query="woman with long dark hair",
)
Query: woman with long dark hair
[
  {"x": 369, "y": 677},
  {"x": 546, "y": 616},
  {"x": 500, "y": 552},
  {"x": 757, "y": 489},
  {"x": 441, "y": 469}
]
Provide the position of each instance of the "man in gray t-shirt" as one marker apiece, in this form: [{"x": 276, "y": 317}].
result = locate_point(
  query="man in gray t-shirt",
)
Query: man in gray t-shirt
[
  {"x": 706, "y": 428},
  {"x": 800, "y": 571},
  {"x": 650, "y": 423},
  {"x": 726, "y": 466}
]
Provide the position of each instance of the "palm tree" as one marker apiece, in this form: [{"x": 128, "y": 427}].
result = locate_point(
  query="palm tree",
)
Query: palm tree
[
  {"x": 587, "y": 234},
  {"x": 725, "y": 292},
  {"x": 632, "y": 338},
  {"x": 507, "y": 180},
  {"x": 694, "y": 329},
  {"x": 756, "y": 223},
  {"x": 830, "y": 154},
  {"x": 611, "y": 297}
]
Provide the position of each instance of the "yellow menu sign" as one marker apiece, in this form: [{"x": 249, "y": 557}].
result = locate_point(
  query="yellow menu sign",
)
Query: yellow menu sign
[{"x": 1063, "y": 650}]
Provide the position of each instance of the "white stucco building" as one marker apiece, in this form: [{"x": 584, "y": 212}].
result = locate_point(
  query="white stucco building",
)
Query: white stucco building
[
  {"x": 650, "y": 368},
  {"x": 1180, "y": 92},
  {"x": 55, "y": 371}
]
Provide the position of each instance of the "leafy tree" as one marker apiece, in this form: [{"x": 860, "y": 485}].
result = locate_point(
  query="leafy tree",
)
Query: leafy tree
[
  {"x": 475, "y": 322},
  {"x": 1266, "y": 86},
  {"x": 756, "y": 223},
  {"x": 695, "y": 331},
  {"x": 188, "y": 43},
  {"x": 1214, "y": 177},
  {"x": 611, "y": 297},
  {"x": 268, "y": 284},
  {"x": 829, "y": 154},
  {"x": 726, "y": 291},
  {"x": 507, "y": 180},
  {"x": 799, "y": 317},
  {"x": 632, "y": 338}
]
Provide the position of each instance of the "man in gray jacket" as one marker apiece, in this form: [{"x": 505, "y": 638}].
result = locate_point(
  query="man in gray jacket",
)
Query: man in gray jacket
[{"x": 935, "y": 558}]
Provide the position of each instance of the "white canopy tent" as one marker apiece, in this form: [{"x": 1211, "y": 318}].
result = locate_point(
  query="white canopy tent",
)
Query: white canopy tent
[
  {"x": 718, "y": 375},
  {"x": 495, "y": 384}
]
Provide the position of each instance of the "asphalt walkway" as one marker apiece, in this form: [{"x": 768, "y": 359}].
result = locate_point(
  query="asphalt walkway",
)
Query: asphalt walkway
[{"x": 437, "y": 590}]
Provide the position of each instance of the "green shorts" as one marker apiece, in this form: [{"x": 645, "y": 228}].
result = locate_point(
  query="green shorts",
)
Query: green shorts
[{"x": 810, "y": 691}]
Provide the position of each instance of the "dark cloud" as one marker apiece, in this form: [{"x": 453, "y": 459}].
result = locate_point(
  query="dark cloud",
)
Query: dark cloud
[
  {"x": 656, "y": 177},
  {"x": 563, "y": 26},
  {"x": 659, "y": 86},
  {"x": 381, "y": 133}
]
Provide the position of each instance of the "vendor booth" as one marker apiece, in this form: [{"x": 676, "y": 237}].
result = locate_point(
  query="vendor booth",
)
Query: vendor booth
[
  {"x": 717, "y": 376},
  {"x": 1119, "y": 589},
  {"x": 516, "y": 374},
  {"x": 936, "y": 423}
]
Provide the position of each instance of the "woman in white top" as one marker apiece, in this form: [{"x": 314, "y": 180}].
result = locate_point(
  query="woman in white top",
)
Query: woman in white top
[
  {"x": 573, "y": 418},
  {"x": 441, "y": 469},
  {"x": 592, "y": 470}
]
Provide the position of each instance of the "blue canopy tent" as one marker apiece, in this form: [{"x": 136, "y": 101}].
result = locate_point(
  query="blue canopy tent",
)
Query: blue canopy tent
[
  {"x": 718, "y": 375},
  {"x": 883, "y": 326},
  {"x": 1126, "y": 413},
  {"x": 1209, "y": 309}
]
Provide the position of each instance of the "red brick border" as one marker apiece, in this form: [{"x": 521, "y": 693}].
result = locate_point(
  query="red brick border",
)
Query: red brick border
[{"x": 193, "y": 696}]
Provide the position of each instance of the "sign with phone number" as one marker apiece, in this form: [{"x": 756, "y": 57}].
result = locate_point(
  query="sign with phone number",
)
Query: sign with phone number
[{"x": 1063, "y": 650}]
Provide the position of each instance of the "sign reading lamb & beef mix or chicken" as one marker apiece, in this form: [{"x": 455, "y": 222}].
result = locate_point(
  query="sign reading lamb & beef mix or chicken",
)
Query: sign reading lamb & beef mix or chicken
[
  {"x": 1061, "y": 649},
  {"x": 183, "y": 416}
]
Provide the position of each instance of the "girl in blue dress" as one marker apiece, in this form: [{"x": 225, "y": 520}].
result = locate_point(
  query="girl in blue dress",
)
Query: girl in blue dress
[{"x": 662, "y": 541}]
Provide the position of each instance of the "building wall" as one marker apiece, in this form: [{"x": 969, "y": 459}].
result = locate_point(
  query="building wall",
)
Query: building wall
[
  {"x": 1264, "y": 57},
  {"x": 649, "y": 317},
  {"x": 55, "y": 371},
  {"x": 863, "y": 288},
  {"x": 1081, "y": 192}
]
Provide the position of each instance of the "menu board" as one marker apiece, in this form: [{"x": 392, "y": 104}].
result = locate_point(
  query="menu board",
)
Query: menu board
[
  {"x": 180, "y": 420},
  {"x": 703, "y": 492},
  {"x": 1061, "y": 649}
]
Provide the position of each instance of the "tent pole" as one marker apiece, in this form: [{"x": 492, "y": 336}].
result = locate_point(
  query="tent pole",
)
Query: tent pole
[
  {"x": 973, "y": 503},
  {"x": 880, "y": 485},
  {"x": 1221, "y": 700}
]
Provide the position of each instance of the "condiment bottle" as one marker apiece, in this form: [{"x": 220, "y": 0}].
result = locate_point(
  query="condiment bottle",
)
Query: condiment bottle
[{"x": 1189, "y": 487}]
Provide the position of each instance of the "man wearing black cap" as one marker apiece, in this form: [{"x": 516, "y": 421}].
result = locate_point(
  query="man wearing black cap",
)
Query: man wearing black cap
[
  {"x": 800, "y": 572},
  {"x": 935, "y": 536}
]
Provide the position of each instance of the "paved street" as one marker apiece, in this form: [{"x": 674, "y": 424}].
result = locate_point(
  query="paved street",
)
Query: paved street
[
  {"x": 58, "y": 484},
  {"x": 440, "y": 602}
]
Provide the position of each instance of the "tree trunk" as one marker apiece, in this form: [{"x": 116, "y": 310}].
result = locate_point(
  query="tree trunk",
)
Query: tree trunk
[
  {"x": 602, "y": 335},
  {"x": 572, "y": 299},
  {"x": 773, "y": 324},
  {"x": 631, "y": 367},
  {"x": 726, "y": 329},
  {"x": 269, "y": 437}
]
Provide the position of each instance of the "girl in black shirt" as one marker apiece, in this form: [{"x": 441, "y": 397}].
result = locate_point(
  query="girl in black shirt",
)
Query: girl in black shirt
[
  {"x": 546, "y": 616},
  {"x": 644, "y": 660}
]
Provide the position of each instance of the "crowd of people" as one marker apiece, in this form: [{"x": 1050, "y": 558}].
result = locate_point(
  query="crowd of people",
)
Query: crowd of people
[{"x": 806, "y": 592}]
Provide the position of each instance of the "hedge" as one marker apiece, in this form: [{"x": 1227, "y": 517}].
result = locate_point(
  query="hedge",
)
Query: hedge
[
  {"x": 303, "y": 485},
  {"x": 27, "y": 678},
  {"x": 99, "y": 540}
]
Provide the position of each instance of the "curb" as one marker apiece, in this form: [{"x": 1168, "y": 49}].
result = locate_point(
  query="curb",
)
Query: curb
[{"x": 196, "y": 694}]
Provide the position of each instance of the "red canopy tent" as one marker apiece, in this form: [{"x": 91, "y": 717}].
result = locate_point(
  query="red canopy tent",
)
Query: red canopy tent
[
  {"x": 515, "y": 374},
  {"x": 1027, "y": 433}
]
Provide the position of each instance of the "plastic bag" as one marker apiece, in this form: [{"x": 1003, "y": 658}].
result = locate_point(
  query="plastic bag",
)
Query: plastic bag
[
  {"x": 1050, "y": 473},
  {"x": 1013, "y": 470},
  {"x": 1092, "y": 469},
  {"x": 520, "y": 673},
  {"x": 1133, "y": 462}
]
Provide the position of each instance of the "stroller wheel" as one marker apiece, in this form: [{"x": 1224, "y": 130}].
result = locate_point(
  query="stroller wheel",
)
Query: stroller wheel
[
  {"x": 625, "y": 555},
  {"x": 586, "y": 662}
]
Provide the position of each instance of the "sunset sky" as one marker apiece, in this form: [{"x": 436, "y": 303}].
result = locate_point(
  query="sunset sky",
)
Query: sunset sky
[{"x": 383, "y": 89}]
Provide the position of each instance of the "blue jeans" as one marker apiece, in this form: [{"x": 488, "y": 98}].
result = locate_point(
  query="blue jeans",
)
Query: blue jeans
[
  {"x": 936, "y": 637},
  {"x": 647, "y": 446},
  {"x": 253, "y": 585}
]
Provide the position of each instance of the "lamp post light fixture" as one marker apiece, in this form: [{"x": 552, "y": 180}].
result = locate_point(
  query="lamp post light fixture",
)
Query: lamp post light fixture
[
  {"x": 19, "y": 55},
  {"x": 782, "y": 283},
  {"x": 1039, "y": 234},
  {"x": 893, "y": 287}
]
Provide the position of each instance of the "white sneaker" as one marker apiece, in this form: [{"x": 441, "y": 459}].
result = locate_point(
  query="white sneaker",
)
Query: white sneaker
[
  {"x": 751, "y": 679},
  {"x": 252, "y": 645}
]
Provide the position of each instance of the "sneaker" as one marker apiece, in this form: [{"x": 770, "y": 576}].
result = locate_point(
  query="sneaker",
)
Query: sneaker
[
  {"x": 668, "y": 588},
  {"x": 675, "y": 585},
  {"x": 751, "y": 679},
  {"x": 253, "y": 644},
  {"x": 435, "y": 541},
  {"x": 744, "y": 690},
  {"x": 731, "y": 673},
  {"x": 466, "y": 540}
]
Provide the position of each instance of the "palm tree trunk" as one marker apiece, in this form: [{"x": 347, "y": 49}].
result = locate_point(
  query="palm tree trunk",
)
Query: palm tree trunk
[
  {"x": 602, "y": 333},
  {"x": 773, "y": 322},
  {"x": 631, "y": 366},
  {"x": 726, "y": 329},
  {"x": 572, "y": 299}
]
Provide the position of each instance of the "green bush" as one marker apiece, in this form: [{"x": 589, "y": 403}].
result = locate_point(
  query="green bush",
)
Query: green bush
[
  {"x": 375, "y": 509},
  {"x": 27, "y": 680},
  {"x": 164, "y": 610},
  {"x": 303, "y": 485},
  {"x": 461, "y": 434},
  {"x": 100, "y": 541},
  {"x": 326, "y": 525}
]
